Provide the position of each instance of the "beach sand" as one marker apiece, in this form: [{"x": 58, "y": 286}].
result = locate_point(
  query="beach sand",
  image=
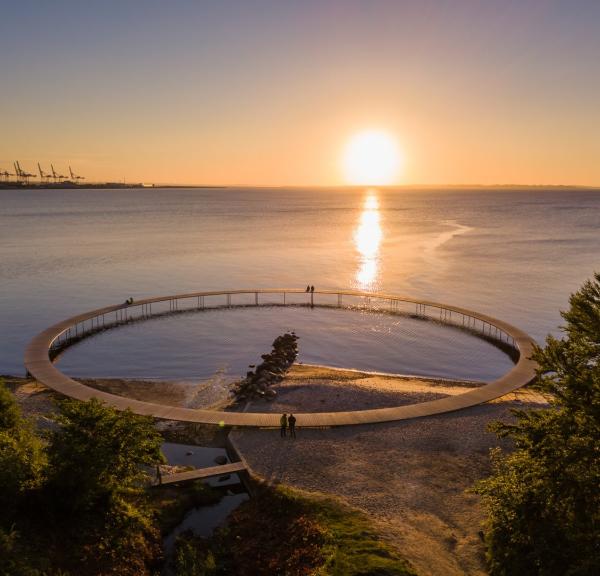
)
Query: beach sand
[{"x": 411, "y": 477}]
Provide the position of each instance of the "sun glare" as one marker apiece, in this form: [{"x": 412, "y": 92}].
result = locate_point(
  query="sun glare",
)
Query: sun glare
[
  {"x": 367, "y": 238},
  {"x": 371, "y": 158}
]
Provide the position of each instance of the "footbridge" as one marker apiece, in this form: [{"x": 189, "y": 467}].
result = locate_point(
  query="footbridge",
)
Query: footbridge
[{"x": 46, "y": 345}]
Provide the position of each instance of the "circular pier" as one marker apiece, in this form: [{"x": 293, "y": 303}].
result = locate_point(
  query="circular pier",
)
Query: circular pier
[{"x": 39, "y": 352}]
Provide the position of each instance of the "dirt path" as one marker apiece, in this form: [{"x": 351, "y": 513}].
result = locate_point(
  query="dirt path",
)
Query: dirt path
[{"x": 411, "y": 477}]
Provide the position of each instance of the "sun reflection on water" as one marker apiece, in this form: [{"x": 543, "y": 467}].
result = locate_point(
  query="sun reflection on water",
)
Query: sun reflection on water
[{"x": 367, "y": 238}]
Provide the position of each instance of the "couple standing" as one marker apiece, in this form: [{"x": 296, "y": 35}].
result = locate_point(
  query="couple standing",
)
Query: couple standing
[{"x": 288, "y": 422}]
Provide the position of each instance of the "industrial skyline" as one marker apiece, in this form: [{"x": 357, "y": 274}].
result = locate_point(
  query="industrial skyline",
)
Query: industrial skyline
[{"x": 20, "y": 176}]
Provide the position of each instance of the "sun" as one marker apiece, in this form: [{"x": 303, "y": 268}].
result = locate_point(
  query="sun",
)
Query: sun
[{"x": 371, "y": 158}]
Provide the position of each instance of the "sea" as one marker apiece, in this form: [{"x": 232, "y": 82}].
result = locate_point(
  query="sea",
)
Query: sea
[{"x": 516, "y": 254}]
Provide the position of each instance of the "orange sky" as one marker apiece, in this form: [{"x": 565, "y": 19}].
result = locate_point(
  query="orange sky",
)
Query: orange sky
[{"x": 269, "y": 93}]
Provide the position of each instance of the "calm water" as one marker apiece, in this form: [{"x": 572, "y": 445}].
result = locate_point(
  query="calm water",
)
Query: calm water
[{"x": 513, "y": 254}]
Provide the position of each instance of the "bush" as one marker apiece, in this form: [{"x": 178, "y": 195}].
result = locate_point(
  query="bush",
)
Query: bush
[
  {"x": 193, "y": 557},
  {"x": 22, "y": 458},
  {"x": 78, "y": 502},
  {"x": 10, "y": 415},
  {"x": 95, "y": 490},
  {"x": 543, "y": 499}
]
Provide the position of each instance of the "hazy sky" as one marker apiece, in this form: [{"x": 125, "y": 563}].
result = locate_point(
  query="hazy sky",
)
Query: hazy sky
[{"x": 269, "y": 92}]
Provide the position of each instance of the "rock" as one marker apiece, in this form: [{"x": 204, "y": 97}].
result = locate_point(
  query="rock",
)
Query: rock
[
  {"x": 270, "y": 371},
  {"x": 220, "y": 460}
]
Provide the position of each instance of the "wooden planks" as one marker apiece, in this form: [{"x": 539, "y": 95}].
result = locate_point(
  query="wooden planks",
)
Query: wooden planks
[{"x": 201, "y": 473}]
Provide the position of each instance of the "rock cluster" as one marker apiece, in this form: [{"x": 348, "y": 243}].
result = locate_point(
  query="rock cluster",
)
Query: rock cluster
[{"x": 270, "y": 371}]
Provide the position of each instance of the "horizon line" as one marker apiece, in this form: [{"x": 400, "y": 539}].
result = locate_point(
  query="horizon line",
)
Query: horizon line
[{"x": 375, "y": 186}]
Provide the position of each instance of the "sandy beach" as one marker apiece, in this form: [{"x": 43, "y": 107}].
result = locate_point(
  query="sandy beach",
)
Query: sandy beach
[{"x": 411, "y": 477}]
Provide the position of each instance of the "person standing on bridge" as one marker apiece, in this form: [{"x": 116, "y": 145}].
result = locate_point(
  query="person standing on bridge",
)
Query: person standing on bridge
[
  {"x": 283, "y": 421},
  {"x": 292, "y": 425}
]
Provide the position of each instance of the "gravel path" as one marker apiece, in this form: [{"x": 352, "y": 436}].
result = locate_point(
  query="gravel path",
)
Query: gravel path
[{"x": 411, "y": 477}]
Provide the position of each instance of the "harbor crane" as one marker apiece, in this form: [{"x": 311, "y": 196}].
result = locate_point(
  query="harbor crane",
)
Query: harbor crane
[
  {"x": 56, "y": 176},
  {"x": 22, "y": 174},
  {"x": 44, "y": 176},
  {"x": 74, "y": 177},
  {"x": 6, "y": 174}
]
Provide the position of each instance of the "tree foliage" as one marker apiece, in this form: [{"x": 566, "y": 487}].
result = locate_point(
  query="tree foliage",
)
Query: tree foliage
[
  {"x": 98, "y": 451},
  {"x": 21, "y": 456},
  {"x": 76, "y": 501},
  {"x": 543, "y": 498},
  {"x": 98, "y": 459},
  {"x": 10, "y": 415}
]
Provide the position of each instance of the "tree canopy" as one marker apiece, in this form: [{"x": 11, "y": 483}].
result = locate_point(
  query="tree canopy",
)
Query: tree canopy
[
  {"x": 543, "y": 498},
  {"x": 74, "y": 500}
]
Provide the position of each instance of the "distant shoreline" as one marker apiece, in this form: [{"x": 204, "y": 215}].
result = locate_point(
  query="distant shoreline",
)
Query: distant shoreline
[
  {"x": 100, "y": 186},
  {"x": 399, "y": 187}
]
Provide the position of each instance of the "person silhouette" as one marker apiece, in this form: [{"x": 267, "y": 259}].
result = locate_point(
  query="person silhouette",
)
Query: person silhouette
[
  {"x": 312, "y": 288},
  {"x": 283, "y": 421},
  {"x": 292, "y": 425},
  {"x": 308, "y": 289}
]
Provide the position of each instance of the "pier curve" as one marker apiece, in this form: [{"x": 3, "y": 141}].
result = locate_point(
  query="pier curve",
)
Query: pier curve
[{"x": 39, "y": 365}]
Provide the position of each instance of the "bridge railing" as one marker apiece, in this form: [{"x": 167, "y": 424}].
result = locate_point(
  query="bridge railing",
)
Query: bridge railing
[{"x": 78, "y": 327}]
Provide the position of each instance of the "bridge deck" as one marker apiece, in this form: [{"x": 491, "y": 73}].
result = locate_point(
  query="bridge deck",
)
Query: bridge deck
[
  {"x": 202, "y": 473},
  {"x": 40, "y": 366}
]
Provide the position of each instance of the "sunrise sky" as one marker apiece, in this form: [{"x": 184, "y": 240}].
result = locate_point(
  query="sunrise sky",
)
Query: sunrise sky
[{"x": 271, "y": 92}]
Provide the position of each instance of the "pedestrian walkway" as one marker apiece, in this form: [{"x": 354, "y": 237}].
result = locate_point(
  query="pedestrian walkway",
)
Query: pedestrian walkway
[{"x": 61, "y": 335}]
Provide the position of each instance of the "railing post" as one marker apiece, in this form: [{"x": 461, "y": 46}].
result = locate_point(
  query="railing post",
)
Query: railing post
[{"x": 256, "y": 298}]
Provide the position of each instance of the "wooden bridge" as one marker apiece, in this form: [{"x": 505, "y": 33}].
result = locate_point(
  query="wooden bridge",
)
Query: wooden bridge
[
  {"x": 59, "y": 336},
  {"x": 201, "y": 473}
]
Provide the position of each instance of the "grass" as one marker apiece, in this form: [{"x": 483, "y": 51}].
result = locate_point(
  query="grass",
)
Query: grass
[
  {"x": 285, "y": 531},
  {"x": 171, "y": 504}
]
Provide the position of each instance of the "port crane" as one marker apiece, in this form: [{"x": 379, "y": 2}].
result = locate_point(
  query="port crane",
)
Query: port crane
[
  {"x": 74, "y": 177},
  {"x": 6, "y": 174},
  {"x": 44, "y": 176},
  {"x": 20, "y": 173},
  {"x": 56, "y": 176}
]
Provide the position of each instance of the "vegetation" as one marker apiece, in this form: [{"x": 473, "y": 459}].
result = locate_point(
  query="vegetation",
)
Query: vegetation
[
  {"x": 283, "y": 531},
  {"x": 74, "y": 503},
  {"x": 170, "y": 504},
  {"x": 543, "y": 498}
]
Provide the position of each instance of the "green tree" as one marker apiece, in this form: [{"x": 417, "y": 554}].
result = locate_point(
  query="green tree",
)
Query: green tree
[
  {"x": 98, "y": 461},
  {"x": 98, "y": 451},
  {"x": 21, "y": 456},
  {"x": 10, "y": 415},
  {"x": 543, "y": 498},
  {"x": 22, "y": 461}
]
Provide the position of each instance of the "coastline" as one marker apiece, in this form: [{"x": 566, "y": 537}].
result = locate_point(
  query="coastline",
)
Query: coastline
[
  {"x": 302, "y": 380},
  {"x": 410, "y": 477}
]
